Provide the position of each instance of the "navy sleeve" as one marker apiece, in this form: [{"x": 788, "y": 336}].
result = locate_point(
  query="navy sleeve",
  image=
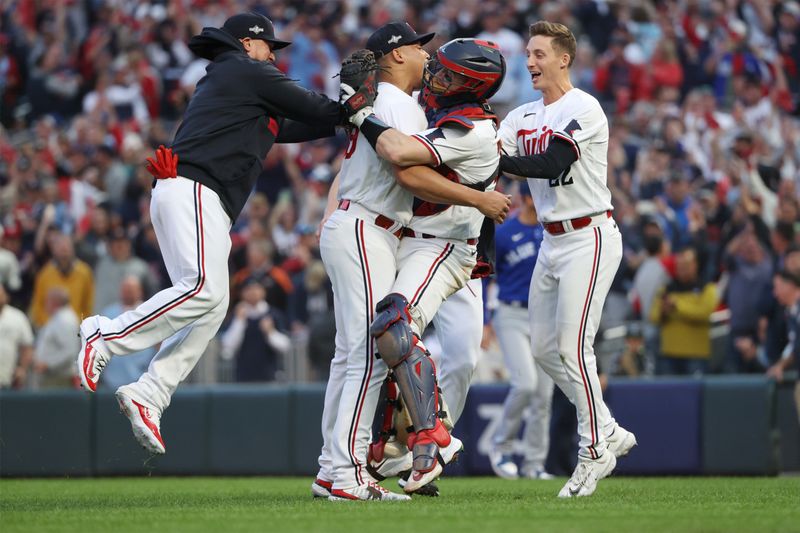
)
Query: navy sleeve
[
  {"x": 288, "y": 99},
  {"x": 558, "y": 157},
  {"x": 293, "y": 131}
]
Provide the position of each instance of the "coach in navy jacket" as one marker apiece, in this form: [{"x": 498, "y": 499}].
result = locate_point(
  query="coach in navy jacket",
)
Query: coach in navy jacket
[{"x": 240, "y": 108}]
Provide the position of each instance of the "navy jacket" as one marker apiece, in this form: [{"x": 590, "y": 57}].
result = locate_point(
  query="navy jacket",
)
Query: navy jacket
[{"x": 239, "y": 109}]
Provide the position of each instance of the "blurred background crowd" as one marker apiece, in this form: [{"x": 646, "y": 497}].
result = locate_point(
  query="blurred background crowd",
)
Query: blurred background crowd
[{"x": 703, "y": 99}]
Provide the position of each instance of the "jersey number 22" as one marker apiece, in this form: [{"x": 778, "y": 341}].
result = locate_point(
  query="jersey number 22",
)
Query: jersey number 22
[{"x": 563, "y": 179}]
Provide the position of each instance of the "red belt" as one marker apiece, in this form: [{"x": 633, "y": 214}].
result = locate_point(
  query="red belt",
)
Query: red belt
[
  {"x": 381, "y": 221},
  {"x": 557, "y": 228},
  {"x": 408, "y": 232}
]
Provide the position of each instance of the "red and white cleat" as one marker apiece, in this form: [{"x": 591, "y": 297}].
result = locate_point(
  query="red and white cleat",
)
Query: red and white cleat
[
  {"x": 366, "y": 492},
  {"x": 321, "y": 488},
  {"x": 91, "y": 358},
  {"x": 417, "y": 480},
  {"x": 145, "y": 422}
]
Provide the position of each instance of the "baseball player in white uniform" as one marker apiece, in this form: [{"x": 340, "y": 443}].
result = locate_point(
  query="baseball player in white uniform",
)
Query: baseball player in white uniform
[
  {"x": 560, "y": 144},
  {"x": 359, "y": 243},
  {"x": 438, "y": 251},
  {"x": 517, "y": 245}
]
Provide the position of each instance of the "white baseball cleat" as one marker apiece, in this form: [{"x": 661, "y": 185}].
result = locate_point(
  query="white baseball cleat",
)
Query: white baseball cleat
[
  {"x": 588, "y": 472},
  {"x": 91, "y": 359},
  {"x": 447, "y": 454},
  {"x": 503, "y": 465},
  {"x": 366, "y": 492},
  {"x": 390, "y": 466},
  {"x": 321, "y": 488},
  {"x": 145, "y": 422},
  {"x": 431, "y": 489},
  {"x": 620, "y": 442}
]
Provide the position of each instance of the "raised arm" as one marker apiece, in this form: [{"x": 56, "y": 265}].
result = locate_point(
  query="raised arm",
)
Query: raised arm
[
  {"x": 288, "y": 99},
  {"x": 358, "y": 92},
  {"x": 402, "y": 150},
  {"x": 293, "y": 131}
]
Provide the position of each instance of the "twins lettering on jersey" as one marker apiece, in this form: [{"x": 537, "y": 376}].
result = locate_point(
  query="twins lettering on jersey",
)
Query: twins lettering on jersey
[
  {"x": 534, "y": 141},
  {"x": 537, "y": 140}
]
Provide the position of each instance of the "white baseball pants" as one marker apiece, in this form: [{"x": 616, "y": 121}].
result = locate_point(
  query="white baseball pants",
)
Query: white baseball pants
[
  {"x": 428, "y": 272},
  {"x": 360, "y": 260},
  {"x": 192, "y": 229},
  {"x": 333, "y": 395},
  {"x": 572, "y": 277},
  {"x": 459, "y": 328},
  {"x": 531, "y": 390}
]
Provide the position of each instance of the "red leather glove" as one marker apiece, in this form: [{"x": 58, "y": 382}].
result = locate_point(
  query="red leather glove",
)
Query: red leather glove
[{"x": 164, "y": 165}]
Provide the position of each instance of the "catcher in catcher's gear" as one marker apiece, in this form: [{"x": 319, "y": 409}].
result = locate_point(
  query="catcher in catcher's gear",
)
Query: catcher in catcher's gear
[{"x": 438, "y": 251}]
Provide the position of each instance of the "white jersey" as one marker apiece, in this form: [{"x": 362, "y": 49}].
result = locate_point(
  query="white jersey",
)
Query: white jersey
[
  {"x": 465, "y": 156},
  {"x": 578, "y": 118},
  {"x": 366, "y": 178}
]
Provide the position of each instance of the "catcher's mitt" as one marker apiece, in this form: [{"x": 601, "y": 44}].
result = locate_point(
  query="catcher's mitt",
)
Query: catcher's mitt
[{"x": 358, "y": 85}]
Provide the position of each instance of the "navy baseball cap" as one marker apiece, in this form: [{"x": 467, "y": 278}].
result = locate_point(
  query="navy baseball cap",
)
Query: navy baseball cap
[
  {"x": 254, "y": 26},
  {"x": 394, "y": 35}
]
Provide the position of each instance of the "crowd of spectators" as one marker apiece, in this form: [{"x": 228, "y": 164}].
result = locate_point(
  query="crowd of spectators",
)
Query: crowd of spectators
[{"x": 703, "y": 99}]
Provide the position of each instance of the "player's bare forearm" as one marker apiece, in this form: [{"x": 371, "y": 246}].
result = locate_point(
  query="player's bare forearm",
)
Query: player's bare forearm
[
  {"x": 402, "y": 150},
  {"x": 429, "y": 185}
]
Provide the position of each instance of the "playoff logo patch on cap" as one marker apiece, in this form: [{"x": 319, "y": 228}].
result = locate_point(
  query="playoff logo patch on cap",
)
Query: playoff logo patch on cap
[
  {"x": 253, "y": 26},
  {"x": 394, "y": 35}
]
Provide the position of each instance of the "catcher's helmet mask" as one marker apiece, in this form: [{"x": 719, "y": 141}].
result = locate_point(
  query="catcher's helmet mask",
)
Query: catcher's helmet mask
[{"x": 466, "y": 67}]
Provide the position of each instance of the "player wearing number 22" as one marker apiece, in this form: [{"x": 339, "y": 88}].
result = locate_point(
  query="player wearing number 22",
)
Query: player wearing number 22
[{"x": 560, "y": 143}]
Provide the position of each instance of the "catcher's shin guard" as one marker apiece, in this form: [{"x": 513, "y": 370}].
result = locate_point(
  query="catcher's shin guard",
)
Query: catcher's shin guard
[
  {"x": 390, "y": 328},
  {"x": 416, "y": 379},
  {"x": 415, "y": 374}
]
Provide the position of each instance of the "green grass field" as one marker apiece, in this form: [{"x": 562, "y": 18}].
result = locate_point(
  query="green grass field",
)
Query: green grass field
[{"x": 487, "y": 505}]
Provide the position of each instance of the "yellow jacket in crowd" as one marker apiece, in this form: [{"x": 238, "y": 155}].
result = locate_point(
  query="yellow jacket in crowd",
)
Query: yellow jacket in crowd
[
  {"x": 685, "y": 319},
  {"x": 78, "y": 282}
]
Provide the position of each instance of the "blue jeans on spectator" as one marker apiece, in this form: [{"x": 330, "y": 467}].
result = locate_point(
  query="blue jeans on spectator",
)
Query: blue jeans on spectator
[{"x": 680, "y": 366}]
